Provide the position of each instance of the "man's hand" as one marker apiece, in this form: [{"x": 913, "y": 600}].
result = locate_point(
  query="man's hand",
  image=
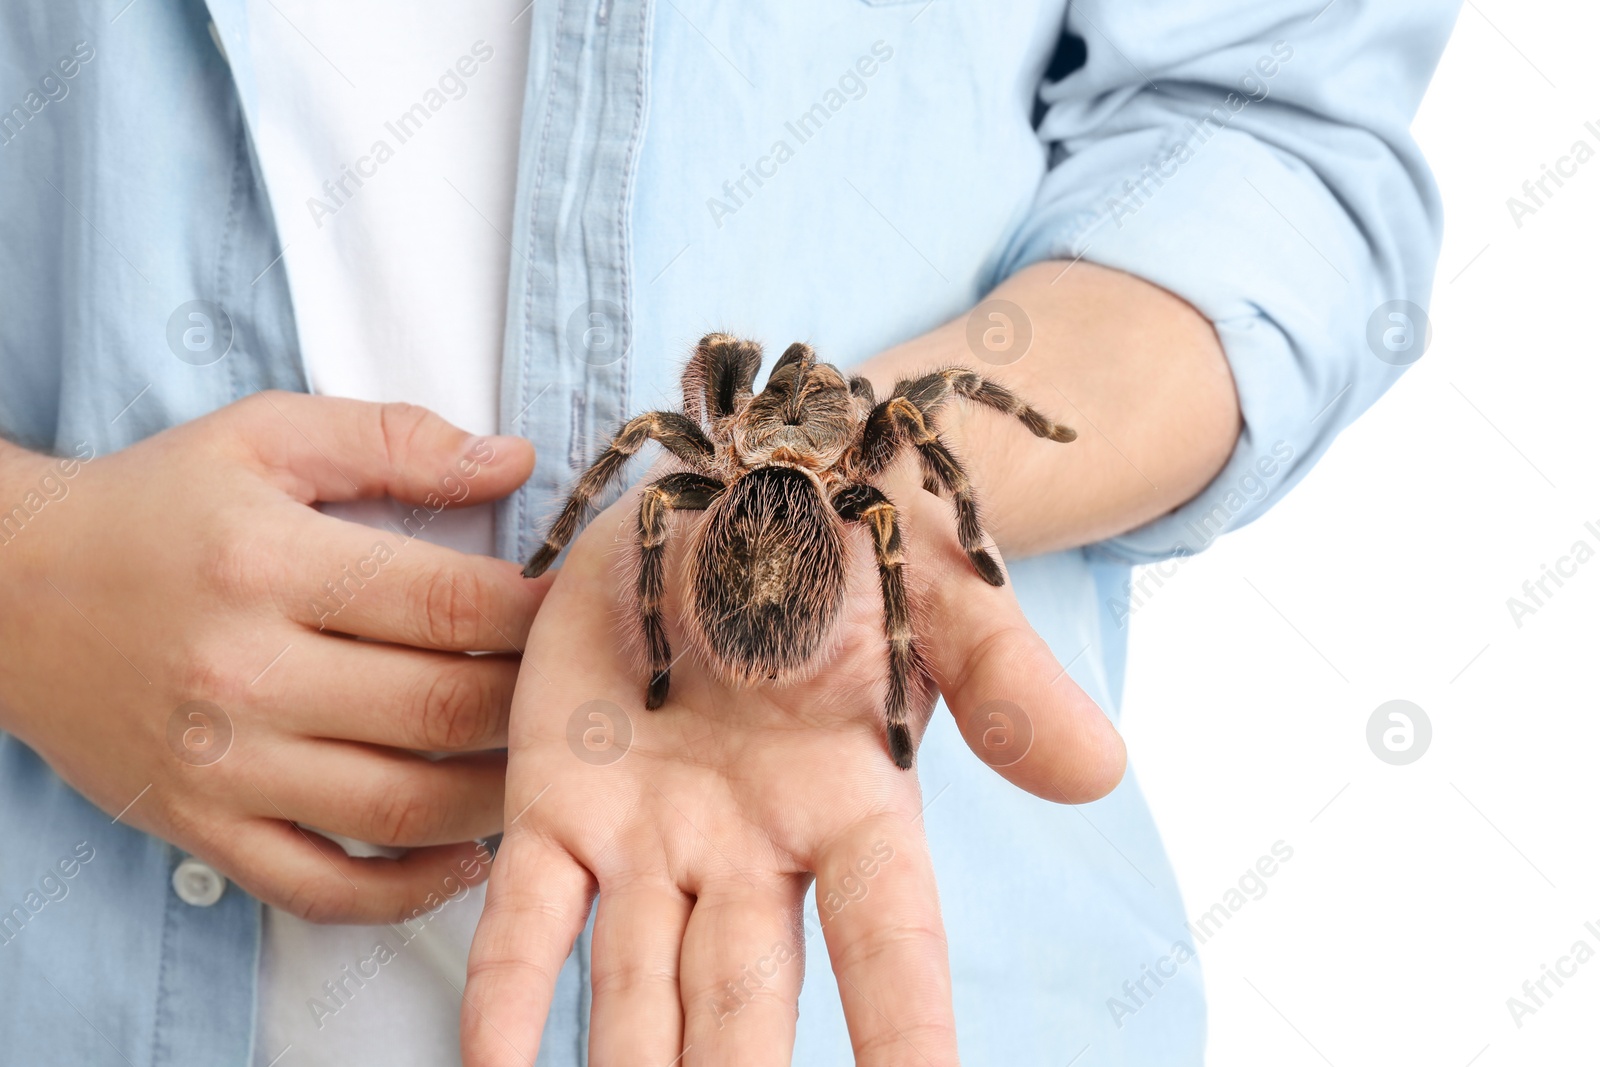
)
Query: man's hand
[
  {"x": 700, "y": 825},
  {"x": 703, "y": 836},
  {"x": 192, "y": 568}
]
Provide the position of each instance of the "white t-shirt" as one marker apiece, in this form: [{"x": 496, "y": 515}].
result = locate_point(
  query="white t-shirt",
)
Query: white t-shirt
[{"x": 387, "y": 134}]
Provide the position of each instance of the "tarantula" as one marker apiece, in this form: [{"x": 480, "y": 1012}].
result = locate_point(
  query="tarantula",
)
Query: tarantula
[{"x": 778, "y": 473}]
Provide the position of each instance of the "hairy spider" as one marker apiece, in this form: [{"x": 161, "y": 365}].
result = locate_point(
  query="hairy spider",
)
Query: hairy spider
[{"x": 778, "y": 473}]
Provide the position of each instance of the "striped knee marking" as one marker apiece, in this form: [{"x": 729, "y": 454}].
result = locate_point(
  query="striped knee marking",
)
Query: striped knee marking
[{"x": 885, "y": 533}]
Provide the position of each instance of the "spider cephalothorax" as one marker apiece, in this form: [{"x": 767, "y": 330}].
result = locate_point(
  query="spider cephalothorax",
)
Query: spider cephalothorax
[{"x": 778, "y": 474}]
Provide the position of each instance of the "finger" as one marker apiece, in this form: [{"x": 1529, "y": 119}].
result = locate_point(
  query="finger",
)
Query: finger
[
  {"x": 383, "y": 796},
  {"x": 879, "y": 910},
  {"x": 1012, "y": 699},
  {"x": 320, "y": 448},
  {"x": 386, "y": 695},
  {"x": 393, "y": 587},
  {"x": 743, "y": 960},
  {"x": 312, "y": 878},
  {"x": 537, "y": 903},
  {"x": 637, "y": 1014}
]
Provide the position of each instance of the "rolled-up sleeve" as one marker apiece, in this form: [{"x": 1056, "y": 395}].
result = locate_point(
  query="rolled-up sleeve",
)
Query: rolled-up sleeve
[{"x": 1254, "y": 158}]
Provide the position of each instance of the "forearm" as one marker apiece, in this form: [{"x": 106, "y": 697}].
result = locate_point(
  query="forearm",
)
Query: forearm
[{"x": 1136, "y": 371}]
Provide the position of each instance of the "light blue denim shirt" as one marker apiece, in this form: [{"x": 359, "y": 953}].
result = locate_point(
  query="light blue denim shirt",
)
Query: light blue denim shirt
[{"x": 848, "y": 172}]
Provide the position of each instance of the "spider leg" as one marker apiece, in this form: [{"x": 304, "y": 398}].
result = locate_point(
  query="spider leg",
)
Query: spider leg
[
  {"x": 863, "y": 396},
  {"x": 940, "y": 464},
  {"x": 804, "y": 359},
  {"x": 677, "y": 433},
  {"x": 720, "y": 376},
  {"x": 899, "y": 421},
  {"x": 867, "y": 505},
  {"x": 931, "y": 482},
  {"x": 861, "y": 389},
  {"x": 685, "y": 491},
  {"x": 930, "y": 391}
]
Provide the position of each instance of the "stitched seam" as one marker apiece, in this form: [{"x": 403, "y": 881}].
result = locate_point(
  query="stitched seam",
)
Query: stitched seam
[
  {"x": 227, "y": 250},
  {"x": 160, "y": 1050},
  {"x": 625, "y": 203},
  {"x": 533, "y": 230}
]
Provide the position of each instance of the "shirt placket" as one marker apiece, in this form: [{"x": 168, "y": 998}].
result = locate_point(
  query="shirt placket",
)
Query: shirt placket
[{"x": 569, "y": 343}]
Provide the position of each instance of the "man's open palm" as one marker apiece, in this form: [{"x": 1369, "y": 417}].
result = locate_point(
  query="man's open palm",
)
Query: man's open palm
[{"x": 701, "y": 825}]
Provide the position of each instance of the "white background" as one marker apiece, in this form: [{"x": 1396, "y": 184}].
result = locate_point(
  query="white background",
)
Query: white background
[{"x": 1419, "y": 897}]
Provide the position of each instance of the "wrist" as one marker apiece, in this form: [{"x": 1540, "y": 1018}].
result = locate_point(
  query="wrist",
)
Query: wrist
[{"x": 34, "y": 490}]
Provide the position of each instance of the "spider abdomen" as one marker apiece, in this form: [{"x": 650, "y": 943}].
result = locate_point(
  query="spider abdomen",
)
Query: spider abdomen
[{"x": 767, "y": 579}]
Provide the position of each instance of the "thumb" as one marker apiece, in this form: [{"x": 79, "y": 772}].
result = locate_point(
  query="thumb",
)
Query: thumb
[
  {"x": 320, "y": 448},
  {"x": 1012, "y": 700}
]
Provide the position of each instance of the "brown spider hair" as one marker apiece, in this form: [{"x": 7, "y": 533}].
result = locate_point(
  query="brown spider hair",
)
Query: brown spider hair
[{"x": 778, "y": 474}]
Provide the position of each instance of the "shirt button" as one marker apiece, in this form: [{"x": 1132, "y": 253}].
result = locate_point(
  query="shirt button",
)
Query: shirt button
[{"x": 197, "y": 883}]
